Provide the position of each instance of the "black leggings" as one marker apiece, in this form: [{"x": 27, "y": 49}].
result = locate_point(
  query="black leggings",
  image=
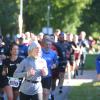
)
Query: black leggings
[{"x": 38, "y": 96}]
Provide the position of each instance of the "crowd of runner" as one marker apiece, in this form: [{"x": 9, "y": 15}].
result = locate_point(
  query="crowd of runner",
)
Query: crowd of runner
[{"x": 30, "y": 64}]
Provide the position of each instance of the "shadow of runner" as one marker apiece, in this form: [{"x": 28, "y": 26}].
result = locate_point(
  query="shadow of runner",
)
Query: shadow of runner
[
  {"x": 88, "y": 77},
  {"x": 63, "y": 95}
]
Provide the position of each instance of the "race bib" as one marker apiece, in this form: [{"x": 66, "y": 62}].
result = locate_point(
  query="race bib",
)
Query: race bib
[{"x": 14, "y": 82}]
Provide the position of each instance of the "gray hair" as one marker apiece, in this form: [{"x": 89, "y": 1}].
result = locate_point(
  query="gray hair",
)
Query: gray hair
[{"x": 33, "y": 45}]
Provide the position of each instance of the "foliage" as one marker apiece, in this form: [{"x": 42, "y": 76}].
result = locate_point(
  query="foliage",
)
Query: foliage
[
  {"x": 96, "y": 35},
  {"x": 8, "y": 16},
  {"x": 64, "y": 14},
  {"x": 91, "y": 18},
  {"x": 68, "y": 15},
  {"x": 90, "y": 61}
]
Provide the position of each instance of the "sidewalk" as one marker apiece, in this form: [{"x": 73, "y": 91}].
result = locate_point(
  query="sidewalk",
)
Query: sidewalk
[{"x": 88, "y": 76}]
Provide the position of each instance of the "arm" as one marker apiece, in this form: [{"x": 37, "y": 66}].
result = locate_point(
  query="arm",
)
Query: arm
[
  {"x": 20, "y": 71},
  {"x": 55, "y": 61},
  {"x": 44, "y": 70}
]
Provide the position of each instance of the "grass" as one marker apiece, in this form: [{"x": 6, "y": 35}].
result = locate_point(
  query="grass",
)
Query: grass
[
  {"x": 90, "y": 62},
  {"x": 87, "y": 91}
]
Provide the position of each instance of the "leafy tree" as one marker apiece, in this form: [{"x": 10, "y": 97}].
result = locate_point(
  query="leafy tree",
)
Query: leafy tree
[
  {"x": 68, "y": 15},
  {"x": 8, "y": 16},
  {"x": 68, "y": 12},
  {"x": 64, "y": 14},
  {"x": 91, "y": 19}
]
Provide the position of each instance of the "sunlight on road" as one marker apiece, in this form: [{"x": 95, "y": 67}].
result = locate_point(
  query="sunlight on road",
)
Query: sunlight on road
[{"x": 76, "y": 82}]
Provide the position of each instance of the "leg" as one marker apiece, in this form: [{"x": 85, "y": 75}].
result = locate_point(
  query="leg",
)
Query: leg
[
  {"x": 61, "y": 80},
  {"x": 16, "y": 94},
  {"x": 83, "y": 63},
  {"x": 53, "y": 84},
  {"x": 38, "y": 96},
  {"x": 55, "y": 75},
  {"x": 46, "y": 93},
  {"x": 69, "y": 70},
  {"x": 46, "y": 84},
  {"x": 73, "y": 65},
  {"x": 1, "y": 94},
  {"x": 9, "y": 92}
]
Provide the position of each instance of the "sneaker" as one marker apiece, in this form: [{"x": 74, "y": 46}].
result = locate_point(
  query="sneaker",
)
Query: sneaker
[
  {"x": 49, "y": 98},
  {"x": 60, "y": 91},
  {"x": 77, "y": 72},
  {"x": 52, "y": 97},
  {"x": 1, "y": 96}
]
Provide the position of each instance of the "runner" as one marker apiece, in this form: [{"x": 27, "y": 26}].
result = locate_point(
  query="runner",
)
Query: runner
[
  {"x": 9, "y": 66},
  {"x": 32, "y": 69},
  {"x": 51, "y": 58}
]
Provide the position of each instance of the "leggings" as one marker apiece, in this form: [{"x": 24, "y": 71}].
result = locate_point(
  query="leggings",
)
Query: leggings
[{"x": 38, "y": 96}]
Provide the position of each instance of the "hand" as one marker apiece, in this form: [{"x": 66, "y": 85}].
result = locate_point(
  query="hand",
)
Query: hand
[
  {"x": 3, "y": 56},
  {"x": 5, "y": 71},
  {"x": 31, "y": 72},
  {"x": 43, "y": 72},
  {"x": 53, "y": 66}
]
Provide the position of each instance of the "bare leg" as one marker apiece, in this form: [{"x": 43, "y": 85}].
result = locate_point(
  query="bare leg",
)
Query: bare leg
[
  {"x": 46, "y": 93},
  {"x": 9, "y": 92},
  {"x": 16, "y": 94}
]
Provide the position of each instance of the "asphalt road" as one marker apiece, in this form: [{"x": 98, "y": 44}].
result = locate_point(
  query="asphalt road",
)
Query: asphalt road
[{"x": 88, "y": 76}]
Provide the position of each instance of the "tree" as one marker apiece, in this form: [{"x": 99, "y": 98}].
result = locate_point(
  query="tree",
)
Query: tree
[
  {"x": 68, "y": 15},
  {"x": 64, "y": 14},
  {"x": 8, "y": 16},
  {"x": 91, "y": 19}
]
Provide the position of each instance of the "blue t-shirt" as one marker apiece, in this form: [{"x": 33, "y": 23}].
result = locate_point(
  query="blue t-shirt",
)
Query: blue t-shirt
[{"x": 51, "y": 58}]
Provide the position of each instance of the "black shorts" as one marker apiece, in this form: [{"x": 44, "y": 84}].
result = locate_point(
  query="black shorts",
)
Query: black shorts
[
  {"x": 46, "y": 82},
  {"x": 55, "y": 73},
  {"x": 3, "y": 81},
  {"x": 17, "y": 88}
]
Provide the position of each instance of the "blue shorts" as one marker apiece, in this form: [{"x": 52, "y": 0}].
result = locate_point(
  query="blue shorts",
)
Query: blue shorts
[{"x": 98, "y": 66}]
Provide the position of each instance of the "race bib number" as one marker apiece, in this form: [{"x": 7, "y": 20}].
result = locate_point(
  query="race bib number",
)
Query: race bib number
[{"x": 13, "y": 82}]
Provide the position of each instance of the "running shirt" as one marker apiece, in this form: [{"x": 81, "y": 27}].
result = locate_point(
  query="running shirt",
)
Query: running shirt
[
  {"x": 61, "y": 49},
  {"x": 70, "y": 51},
  {"x": 30, "y": 88},
  {"x": 51, "y": 58},
  {"x": 11, "y": 65}
]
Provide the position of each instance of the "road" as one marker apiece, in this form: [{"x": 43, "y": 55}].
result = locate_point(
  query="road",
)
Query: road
[{"x": 88, "y": 76}]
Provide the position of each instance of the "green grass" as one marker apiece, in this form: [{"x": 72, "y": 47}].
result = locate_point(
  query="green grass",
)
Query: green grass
[
  {"x": 90, "y": 62},
  {"x": 87, "y": 91}
]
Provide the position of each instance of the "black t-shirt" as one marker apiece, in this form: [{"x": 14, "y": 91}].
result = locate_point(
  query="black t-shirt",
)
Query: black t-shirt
[
  {"x": 11, "y": 65},
  {"x": 61, "y": 49},
  {"x": 70, "y": 48}
]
